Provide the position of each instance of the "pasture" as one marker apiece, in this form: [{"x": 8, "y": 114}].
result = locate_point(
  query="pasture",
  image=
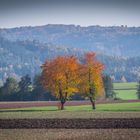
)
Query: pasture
[
  {"x": 129, "y": 93},
  {"x": 80, "y": 111}
]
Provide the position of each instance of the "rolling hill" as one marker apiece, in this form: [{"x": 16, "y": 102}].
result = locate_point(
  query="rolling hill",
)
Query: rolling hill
[
  {"x": 115, "y": 40},
  {"x": 23, "y": 50}
]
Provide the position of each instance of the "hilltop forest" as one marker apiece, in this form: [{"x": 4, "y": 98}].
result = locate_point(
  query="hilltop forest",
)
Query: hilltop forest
[{"x": 23, "y": 50}]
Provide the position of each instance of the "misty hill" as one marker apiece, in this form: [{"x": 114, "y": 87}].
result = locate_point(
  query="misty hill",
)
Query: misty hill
[
  {"x": 25, "y": 57},
  {"x": 23, "y": 50},
  {"x": 115, "y": 40}
]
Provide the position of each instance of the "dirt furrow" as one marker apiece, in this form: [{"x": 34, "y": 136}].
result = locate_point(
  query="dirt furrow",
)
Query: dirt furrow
[{"x": 71, "y": 123}]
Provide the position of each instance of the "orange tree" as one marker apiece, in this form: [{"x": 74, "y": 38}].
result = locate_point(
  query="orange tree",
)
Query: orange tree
[
  {"x": 60, "y": 76},
  {"x": 90, "y": 75}
]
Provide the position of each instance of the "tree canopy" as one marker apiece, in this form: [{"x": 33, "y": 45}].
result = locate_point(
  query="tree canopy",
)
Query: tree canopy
[{"x": 64, "y": 75}]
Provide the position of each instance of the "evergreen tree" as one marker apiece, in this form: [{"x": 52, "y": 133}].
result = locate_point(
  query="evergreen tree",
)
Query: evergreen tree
[
  {"x": 39, "y": 93},
  {"x": 25, "y": 88},
  {"x": 138, "y": 90},
  {"x": 9, "y": 89},
  {"x": 108, "y": 86}
]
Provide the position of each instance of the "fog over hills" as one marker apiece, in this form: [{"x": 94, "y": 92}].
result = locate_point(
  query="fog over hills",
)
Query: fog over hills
[{"x": 24, "y": 49}]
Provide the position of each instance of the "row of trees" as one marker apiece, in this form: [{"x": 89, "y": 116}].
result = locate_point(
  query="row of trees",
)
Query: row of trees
[
  {"x": 62, "y": 78},
  {"x": 65, "y": 75},
  {"x": 12, "y": 90},
  {"x": 24, "y": 90}
]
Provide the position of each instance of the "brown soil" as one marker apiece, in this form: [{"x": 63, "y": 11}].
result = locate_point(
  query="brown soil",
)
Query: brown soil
[
  {"x": 69, "y": 134},
  {"x": 71, "y": 123}
]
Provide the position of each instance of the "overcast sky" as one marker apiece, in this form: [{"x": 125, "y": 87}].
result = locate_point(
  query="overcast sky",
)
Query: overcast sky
[{"x": 15, "y": 13}]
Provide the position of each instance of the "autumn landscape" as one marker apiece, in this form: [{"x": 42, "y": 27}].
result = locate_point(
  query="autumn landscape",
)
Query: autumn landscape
[{"x": 69, "y": 70}]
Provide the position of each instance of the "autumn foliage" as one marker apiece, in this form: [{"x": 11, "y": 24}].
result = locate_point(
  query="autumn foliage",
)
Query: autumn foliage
[
  {"x": 90, "y": 73},
  {"x": 60, "y": 76},
  {"x": 64, "y": 76}
]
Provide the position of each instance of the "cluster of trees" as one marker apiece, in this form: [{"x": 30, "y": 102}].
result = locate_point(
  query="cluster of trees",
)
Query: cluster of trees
[
  {"x": 64, "y": 76},
  {"x": 24, "y": 90},
  {"x": 61, "y": 77}
]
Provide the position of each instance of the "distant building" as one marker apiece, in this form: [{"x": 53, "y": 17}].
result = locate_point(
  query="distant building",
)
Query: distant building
[
  {"x": 113, "y": 78},
  {"x": 123, "y": 79}
]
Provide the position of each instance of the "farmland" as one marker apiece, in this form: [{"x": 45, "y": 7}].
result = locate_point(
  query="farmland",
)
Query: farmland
[
  {"x": 108, "y": 115},
  {"x": 129, "y": 93},
  {"x": 41, "y": 120},
  {"x": 81, "y": 111},
  {"x": 69, "y": 134},
  {"x": 125, "y": 85}
]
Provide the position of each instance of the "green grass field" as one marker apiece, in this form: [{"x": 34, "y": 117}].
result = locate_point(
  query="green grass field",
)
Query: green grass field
[
  {"x": 125, "y": 85},
  {"x": 102, "y": 110},
  {"x": 134, "y": 106},
  {"x": 126, "y": 94}
]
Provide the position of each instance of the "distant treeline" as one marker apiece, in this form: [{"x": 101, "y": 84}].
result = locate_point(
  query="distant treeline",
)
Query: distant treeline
[{"x": 28, "y": 90}]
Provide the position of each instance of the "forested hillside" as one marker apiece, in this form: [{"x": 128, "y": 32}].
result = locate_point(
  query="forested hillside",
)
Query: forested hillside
[
  {"x": 23, "y": 50},
  {"x": 115, "y": 40}
]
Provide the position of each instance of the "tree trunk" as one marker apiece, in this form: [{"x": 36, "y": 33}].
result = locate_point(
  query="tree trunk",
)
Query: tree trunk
[
  {"x": 90, "y": 91},
  {"x": 93, "y": 103},
  {"x": 63, "y": 101},
  {"x": 62, "y": 105}
]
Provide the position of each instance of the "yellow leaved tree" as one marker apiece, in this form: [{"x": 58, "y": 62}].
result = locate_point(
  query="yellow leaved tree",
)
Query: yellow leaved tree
[{"x": 90, "y": 73}]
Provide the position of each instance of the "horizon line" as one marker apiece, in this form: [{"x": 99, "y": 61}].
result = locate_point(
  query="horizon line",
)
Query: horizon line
[{"x": 24, "y": 26}]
